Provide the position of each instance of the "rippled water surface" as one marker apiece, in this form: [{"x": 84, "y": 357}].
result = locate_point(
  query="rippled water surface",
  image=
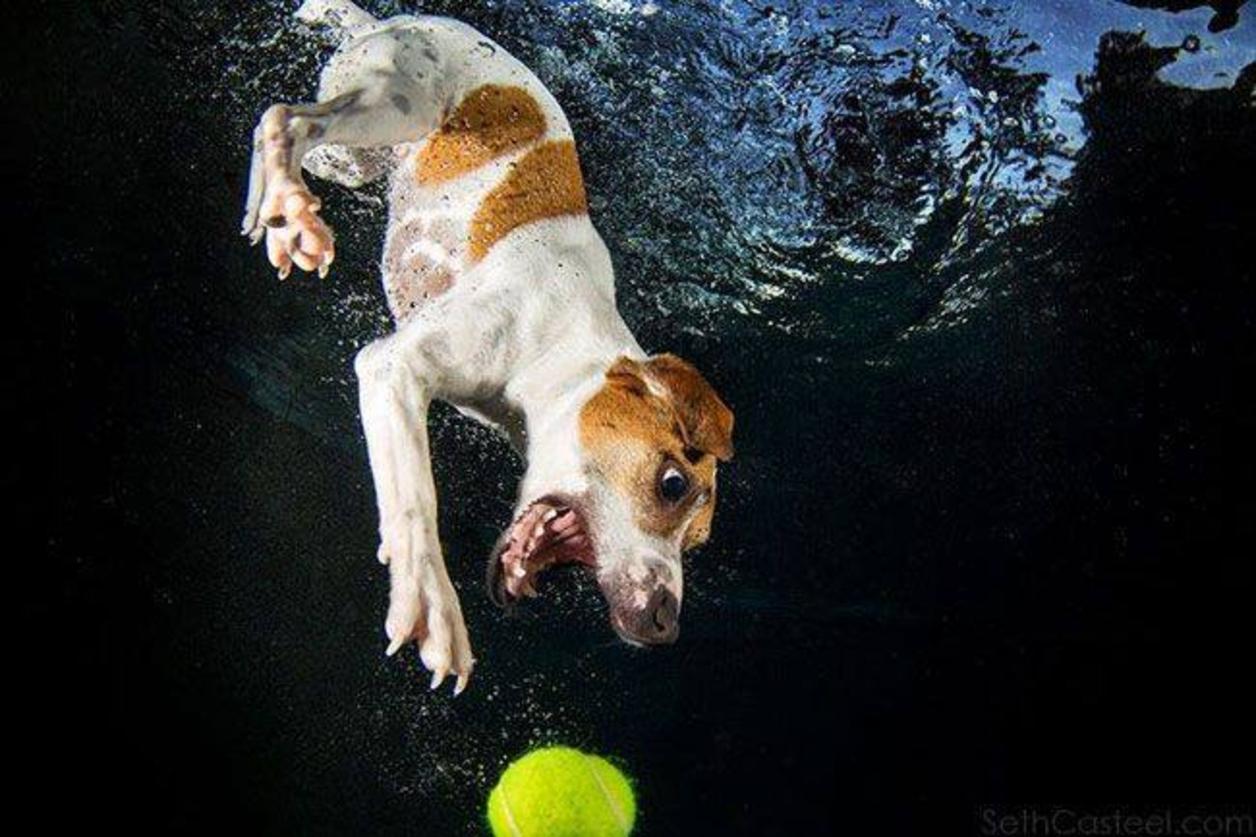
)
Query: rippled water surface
[{"x": 977, "y": 279}]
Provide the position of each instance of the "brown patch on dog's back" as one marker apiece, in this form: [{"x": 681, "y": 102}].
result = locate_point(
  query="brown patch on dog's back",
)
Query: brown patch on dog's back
[
  {"x": 545, "y": 183},
  {"x": 491, "y": 121}
]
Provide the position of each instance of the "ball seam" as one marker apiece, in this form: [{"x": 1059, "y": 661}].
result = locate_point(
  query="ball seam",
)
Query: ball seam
[
  {"x": 610, "y": 802},
  {"x": 510, "y": 817}
]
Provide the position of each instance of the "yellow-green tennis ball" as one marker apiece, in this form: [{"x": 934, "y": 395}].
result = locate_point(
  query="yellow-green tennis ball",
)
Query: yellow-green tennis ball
[{"x": 561, "y": 792}]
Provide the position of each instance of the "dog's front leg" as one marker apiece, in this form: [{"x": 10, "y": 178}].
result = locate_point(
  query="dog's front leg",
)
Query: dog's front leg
[{"x": 395, "y": 393}]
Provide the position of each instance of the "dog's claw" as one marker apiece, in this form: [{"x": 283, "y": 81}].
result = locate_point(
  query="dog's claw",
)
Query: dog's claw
[{"x": 423, "y": 607}]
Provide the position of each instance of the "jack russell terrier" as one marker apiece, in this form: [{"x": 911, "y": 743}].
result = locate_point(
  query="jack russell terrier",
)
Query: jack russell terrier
[{"x": 503, "y": 297}]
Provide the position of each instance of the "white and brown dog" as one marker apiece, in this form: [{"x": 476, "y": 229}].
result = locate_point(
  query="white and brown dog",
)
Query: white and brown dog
[{"x": 503, "y": 297}]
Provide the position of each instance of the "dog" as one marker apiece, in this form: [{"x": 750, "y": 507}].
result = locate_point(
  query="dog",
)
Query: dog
[{"x": 502, "y": 294}]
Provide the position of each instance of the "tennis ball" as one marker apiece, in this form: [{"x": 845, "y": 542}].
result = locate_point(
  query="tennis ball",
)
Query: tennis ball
[{"x": 561, "y": 792}]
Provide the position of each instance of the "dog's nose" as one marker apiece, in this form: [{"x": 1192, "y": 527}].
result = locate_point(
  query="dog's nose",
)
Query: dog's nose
[{"x": 659, "y": 623}]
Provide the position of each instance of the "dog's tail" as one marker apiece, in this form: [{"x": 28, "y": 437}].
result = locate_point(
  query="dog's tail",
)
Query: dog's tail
[{"x": 342, "y": 17}]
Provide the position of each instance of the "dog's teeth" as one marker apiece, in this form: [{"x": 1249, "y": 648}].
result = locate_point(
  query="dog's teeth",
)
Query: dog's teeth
[
  {"x": 550, "y": 515},
  {"x": 519, "y": 571},
  {"x": 538, "y": 531}
]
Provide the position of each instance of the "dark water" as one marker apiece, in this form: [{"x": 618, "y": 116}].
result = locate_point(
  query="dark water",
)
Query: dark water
[{"x": 978, "y": 280}]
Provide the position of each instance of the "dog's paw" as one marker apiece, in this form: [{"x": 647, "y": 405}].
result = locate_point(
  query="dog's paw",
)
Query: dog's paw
[
  {"x": 425, "y": 609},
  {"x": 295, "y": 234},
  {"x": 279, "y": 206}
]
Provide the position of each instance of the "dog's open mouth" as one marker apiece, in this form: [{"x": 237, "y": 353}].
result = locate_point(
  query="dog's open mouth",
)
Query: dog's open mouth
[{"x": 550, "y": 531}]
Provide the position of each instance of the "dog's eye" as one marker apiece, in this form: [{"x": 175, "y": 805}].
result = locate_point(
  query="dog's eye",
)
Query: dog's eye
[{"x": 673, "y": 485}]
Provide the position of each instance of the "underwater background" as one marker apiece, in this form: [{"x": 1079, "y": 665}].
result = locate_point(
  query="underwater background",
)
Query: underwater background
[{"x": 977, "y": 278}]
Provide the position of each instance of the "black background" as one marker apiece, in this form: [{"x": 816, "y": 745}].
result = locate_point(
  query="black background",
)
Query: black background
[{"x": 1015, "y": 567}]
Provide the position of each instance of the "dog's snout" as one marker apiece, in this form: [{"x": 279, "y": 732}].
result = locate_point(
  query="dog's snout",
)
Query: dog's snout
[
  {"x": 666, "y": 615},
  {"x": 659, "y": 622}
]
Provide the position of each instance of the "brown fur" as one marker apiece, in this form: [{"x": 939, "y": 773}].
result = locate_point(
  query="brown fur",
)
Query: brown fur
[
  {"x": 491, "y": 121},
  {"x": 545, "y": 183},
  {"x": 698, "y": 531},
  {"x": 706, "y": 420},
  {"x": 651, "y": 415}
]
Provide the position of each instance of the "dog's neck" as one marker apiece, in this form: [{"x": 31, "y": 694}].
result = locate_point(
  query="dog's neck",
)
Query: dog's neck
[{"x": 552, "y": 392}]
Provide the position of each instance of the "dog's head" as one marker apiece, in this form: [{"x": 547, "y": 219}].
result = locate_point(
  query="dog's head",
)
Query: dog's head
[{"x": 649, "y": 440}]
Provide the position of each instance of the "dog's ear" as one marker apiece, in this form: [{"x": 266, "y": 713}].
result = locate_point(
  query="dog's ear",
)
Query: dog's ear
[
  {"x": 707, "y": 421},
  {"x": 630, "y": 376}
]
